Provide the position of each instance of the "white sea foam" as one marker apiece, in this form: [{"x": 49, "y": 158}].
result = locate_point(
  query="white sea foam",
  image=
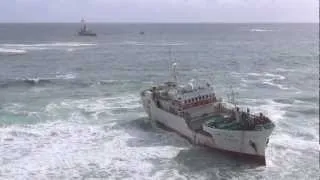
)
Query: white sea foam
[
  {"x": 66, "y": 76},
  {"x": 53, "y": 44},
  {"x": 265, "y": 78},
  {"x": 96, "y": 106},
  {"x": 137, "y": 43},
  {"x": 255, "y": 74},
  {"x": 266, "y": 74},
  {"x": 235, "y": 74},
  {"x": 68, "y": 46},
  {"x": 284, "y": 70},
  {"x": 276, "y": 76},
  {"x": 260, "y": 30},
  {"x": 284, "y": 149},
  {"x": 5, "y": 51},
  {"x": 280, "y": 86},
  {"x": 295, "y": 143},
  {"x": 68, "y": 148},
  {"x": 271, "y": 108},
  {"x": 72, "y": 150},
  {"x": 19, "y": 110}
]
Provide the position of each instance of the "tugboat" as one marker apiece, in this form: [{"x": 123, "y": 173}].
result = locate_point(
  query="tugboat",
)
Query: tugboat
[
  {"x": 84, "y": 31},
  {"x": 197, "y": 114}
]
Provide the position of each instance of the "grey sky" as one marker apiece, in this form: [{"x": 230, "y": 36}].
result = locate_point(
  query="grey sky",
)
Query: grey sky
[{"x": 159, "y": 10}]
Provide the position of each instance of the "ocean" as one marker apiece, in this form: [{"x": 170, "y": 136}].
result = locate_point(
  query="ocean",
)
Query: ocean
[{"x": 70, "y": 105}]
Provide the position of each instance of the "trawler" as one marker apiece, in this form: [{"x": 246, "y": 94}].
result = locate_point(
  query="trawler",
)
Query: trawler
[
  {"x": 195, "y": 112},
  {"x": 84, "y": 31}
]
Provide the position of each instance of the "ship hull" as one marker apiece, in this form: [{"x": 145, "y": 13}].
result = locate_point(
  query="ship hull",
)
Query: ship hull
[
  {"x": 261, "y": 160},
  {"x": 86, "y": 34},
  {"x": 239, "y": 143}
]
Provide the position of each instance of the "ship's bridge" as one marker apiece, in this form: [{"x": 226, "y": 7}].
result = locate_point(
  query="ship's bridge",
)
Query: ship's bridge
[
  {"x": 189, "y": 92},
  {"x": 187, "y": 96}
]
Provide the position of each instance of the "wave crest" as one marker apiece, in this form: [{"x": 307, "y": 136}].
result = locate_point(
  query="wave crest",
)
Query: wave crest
[
  {"x": 22, "y": 48},
  {"x": 36, "y": 81},
  {"x": 4, "y": 51}
]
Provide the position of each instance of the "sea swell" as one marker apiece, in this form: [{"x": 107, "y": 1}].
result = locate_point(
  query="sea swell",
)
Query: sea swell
[{"x": 68, "y": 80}]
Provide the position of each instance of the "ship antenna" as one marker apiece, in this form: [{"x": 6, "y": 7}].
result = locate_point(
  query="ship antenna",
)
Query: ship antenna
[
  {"x": 173, "y": 66},
  {"x": 211, "y": 80},
  {"x": 232, "y": 94},
  {"x": 174, "y": 73},
  {"x": 170, "y": 53}
]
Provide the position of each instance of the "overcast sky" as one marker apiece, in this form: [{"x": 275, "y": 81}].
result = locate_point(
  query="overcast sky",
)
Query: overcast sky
[{"x": 159, "y": 10}]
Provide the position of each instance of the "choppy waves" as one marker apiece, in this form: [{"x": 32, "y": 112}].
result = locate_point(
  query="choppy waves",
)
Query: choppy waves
[
  {"x": 71, "y": 150},
  {"x": 88, "y": 122},
  {"x": 93, "y": 140},
  {"x": 106, "y": 137}
]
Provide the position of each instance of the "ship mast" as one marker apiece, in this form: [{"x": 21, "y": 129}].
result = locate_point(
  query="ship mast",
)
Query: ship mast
[
  {"x": 173, "y": 67},
  {"x": 232, "y": 98},
  {"x": 173, "y": 72},
  {"x": 83, "y": 25}
]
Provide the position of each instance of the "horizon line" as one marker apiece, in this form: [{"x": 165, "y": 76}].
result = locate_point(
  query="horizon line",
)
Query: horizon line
[{"x": 141, "y": 22}]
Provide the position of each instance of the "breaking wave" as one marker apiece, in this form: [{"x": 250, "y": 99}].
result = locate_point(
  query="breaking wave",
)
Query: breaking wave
[
  {"x": 4, "y": 51},
  {"x": 68, "y": 46},
  {"x": 56, "y": 44},
  {"x": 280, "y": 86},
  {"x": 66, "y": 76},
  {"x": 24, "y": 82},
  {"x": 27, "y": 82},
  {"x": 274, "y": 76},
  {"x": 95, "y": 152},
  {"x": 263, "y": 80}
]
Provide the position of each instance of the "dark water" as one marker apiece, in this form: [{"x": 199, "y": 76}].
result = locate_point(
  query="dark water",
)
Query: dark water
[{"x": 70, "y": 107}]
